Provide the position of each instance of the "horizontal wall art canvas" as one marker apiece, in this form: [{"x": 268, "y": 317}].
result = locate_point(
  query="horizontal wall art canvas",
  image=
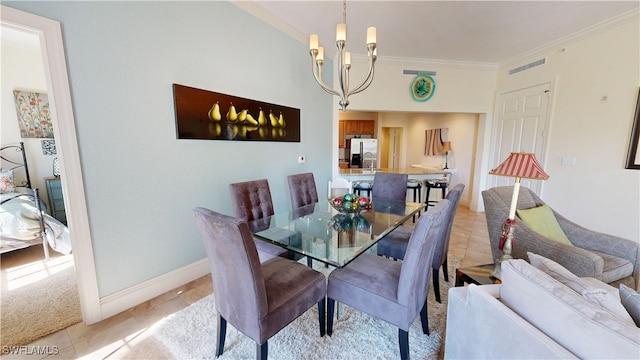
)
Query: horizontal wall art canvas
[
  {"x": 34, "y": 117},
  {"x": 208, "y": 115}
]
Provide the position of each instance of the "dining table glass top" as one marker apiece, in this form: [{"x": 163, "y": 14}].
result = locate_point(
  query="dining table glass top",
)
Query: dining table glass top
[{"x": 322, "y": 233}]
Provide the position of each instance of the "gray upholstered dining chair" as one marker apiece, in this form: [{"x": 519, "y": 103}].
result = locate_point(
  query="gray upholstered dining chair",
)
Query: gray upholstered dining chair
[
  {"x": 252, "y": 201},
  {"x": 389, "y": 186},
  {"x": 302, "y": 189},
  {"x": 394, "y": 245},
  {"x": 393, "y": 291},
  {"x": 258, "y": 299}
]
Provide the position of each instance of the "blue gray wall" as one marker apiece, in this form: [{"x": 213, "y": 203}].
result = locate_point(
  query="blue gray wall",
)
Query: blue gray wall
[{"x": 140, "y": 181}]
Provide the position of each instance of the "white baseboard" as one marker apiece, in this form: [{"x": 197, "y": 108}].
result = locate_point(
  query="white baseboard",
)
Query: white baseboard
[{"x": 125, "y": 299}]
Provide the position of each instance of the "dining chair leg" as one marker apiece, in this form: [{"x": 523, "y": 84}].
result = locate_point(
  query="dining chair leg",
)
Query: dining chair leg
[
  {"x": 424, "y": 319},
  {"x": 222, "y": 331},
  {"x": 330, "y": 306},
  {"x": 322, "y": 316},
  {"x": 262, "y": 350},
  {"x": 445, "y": 270},
  {"x": 309, "y": 262},
  {"x": 403, "y": 339},
  {"x": 436, "y": 284}
]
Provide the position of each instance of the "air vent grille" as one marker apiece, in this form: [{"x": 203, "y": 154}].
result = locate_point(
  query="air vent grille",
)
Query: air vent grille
[
  {"x": 416, "y": 72},
  {"x": 528, "y": 66}
]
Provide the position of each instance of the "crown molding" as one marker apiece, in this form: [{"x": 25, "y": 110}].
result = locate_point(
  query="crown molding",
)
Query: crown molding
[{"x": 624, "y": 18}]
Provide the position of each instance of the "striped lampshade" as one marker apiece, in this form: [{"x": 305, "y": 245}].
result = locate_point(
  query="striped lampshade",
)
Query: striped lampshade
[{"x": 522, "y": 165}]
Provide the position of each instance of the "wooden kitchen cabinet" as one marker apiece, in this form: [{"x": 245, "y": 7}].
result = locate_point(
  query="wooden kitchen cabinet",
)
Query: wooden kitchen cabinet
[
  {"x": 342, "y": 139},
  {"x": 359, "y": 127},
  {"x": 368, "y": 127}
]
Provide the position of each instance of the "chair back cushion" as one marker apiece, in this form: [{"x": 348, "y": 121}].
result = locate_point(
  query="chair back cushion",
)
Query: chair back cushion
[
  {"x": 390, "y": 186},
  {"x": 251, "y": 199},
  {"x": 235, "y": 268},
  {"x": 413, "y": 284},
  {"x": 442, "y": 247},
  {"x": 302, "y": 189}
]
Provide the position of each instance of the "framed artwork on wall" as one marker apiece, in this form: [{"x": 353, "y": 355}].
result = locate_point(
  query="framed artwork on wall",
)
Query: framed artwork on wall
[
  {"x": 633, "y": 155},
  {"x": 34, "y": 117},
  {"x": 207, "y": 115}
]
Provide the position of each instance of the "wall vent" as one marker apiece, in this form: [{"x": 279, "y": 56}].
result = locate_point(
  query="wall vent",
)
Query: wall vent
[
  {"x": 528, "y": 66},
  {"x": 416, "y": 72}
]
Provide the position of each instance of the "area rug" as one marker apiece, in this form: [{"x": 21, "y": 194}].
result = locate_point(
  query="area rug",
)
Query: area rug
[
  {"x": 38, "y": 299},
  {"x": 191, "y": 334}
]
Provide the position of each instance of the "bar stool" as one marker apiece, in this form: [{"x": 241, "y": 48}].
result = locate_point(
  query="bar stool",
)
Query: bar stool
[
  {"x": 435, "y": 184},
  {"x": 416, "y": 186},
  {"x": 364, "y": 185}
]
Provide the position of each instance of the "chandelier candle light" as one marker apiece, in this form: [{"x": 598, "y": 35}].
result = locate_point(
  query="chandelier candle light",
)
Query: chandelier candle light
[
  {"x": 344, "y": 61},
  {"x": 518, "y": 165}
]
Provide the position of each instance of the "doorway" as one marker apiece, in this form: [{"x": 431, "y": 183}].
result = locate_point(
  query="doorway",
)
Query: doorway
[
  {"x": 390, "y": 145},
  {"x": 55, "y": 69}
]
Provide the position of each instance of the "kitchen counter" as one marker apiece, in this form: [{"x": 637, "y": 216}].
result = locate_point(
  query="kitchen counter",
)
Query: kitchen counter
[
  {"x": 413, "y": 170},
  {"x": 408, "y": 171}
]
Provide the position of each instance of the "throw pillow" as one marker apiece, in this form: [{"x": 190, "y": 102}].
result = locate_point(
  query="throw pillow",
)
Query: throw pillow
[
  {"x": 6, "y": 182},
  {"x": 631, "y": 301},
  {"x": 595, "y": 294},
  {"x": 541, "y": 220}
]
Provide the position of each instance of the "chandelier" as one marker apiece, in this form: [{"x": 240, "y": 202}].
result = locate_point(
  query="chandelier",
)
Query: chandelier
[{"x": 344, "y": 61}]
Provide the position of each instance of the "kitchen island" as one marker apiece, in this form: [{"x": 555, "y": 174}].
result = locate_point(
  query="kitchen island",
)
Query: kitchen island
[
  {"x": 414, "y": 172},
  {"x": 417, "y": 172}
]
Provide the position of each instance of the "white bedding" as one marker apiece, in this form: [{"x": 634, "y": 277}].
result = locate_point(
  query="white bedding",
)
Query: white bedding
[{"x": 20, "y": 227}]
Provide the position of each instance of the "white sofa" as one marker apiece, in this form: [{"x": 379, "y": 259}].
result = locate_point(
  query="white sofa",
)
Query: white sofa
[{"x": 532, "y": 315}]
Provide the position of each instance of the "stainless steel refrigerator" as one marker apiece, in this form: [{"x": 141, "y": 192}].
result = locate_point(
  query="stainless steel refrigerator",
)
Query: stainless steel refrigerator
[{"x": 364, "y": 153}]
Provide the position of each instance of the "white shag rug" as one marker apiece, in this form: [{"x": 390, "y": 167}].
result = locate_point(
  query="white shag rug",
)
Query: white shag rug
[{"x": 191, "y": 333}]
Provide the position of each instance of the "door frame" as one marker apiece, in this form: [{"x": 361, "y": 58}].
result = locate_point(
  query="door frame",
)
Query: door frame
[{"x": 64, "y": 129}]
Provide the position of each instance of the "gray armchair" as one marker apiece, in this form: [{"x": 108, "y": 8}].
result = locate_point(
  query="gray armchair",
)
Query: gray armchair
[
  {"x": 257, "y": 299},
  {"x": 605, "y": 257},
  {"x": 251, "y": 202},
  {"x": 394, "y": 245},
  {"x": 393, "y": 291}
]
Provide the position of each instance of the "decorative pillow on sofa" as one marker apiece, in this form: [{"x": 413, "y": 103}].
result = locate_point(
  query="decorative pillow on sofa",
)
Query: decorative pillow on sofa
[
  {"x": 602, "y": 294},
  {"x": 6, "y": 182},
  {"x": 541, "y": 220},
  {"x": 631, "y": 301}
]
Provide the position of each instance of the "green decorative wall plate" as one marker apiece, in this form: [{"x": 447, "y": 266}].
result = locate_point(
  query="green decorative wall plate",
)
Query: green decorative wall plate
[{"x": 422, "y": 87}]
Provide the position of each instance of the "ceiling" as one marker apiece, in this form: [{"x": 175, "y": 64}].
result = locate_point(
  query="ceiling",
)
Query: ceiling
[{"x": 468, "y": 31}]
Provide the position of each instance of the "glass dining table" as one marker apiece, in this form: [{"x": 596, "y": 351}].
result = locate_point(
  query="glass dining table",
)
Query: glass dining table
[{"x": 324, "y": 234}]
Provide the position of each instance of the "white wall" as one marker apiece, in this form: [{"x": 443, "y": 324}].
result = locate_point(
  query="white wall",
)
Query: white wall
[
  {"x": 141, "y": 182},
  {"x": 22, "y": 69},
  {"x": 598, "y": 192}
]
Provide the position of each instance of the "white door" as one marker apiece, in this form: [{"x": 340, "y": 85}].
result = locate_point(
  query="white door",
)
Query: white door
[{"x": 521, "y": 126}]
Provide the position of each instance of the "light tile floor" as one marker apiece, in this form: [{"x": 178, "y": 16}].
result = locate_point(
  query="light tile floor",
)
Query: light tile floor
[{"x": 127, "y": 335}]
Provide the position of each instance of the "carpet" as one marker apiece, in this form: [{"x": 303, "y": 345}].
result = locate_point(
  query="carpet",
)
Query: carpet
[
  {"x": 38, "y": 299},
  {"x": 191, "y": 333}
]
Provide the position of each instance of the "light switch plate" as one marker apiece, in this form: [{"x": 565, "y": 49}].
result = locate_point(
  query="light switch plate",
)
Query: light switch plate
[
  {"x": 301, "y": 159},
  {"x": 568, "y": 161}
]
